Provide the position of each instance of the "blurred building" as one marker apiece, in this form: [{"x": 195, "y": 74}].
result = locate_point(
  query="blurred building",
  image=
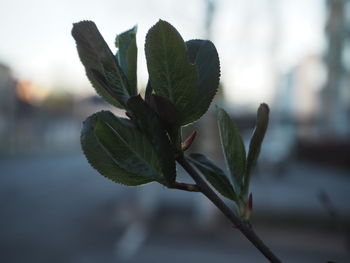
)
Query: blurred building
[{"x": 335, "y": 111}]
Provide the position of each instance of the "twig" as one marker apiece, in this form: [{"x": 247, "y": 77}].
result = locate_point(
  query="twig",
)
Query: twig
[
  {"x": 245, "y": 229},
  {"x": 186, "y": 187}
]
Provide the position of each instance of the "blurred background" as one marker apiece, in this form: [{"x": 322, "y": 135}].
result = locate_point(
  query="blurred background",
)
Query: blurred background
[{"x": 293, "y": 55}]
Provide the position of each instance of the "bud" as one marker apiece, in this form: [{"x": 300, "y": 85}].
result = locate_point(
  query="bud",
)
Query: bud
[
  {"x": 249, "y": 208},
  {"x": 188, "y": 142}
]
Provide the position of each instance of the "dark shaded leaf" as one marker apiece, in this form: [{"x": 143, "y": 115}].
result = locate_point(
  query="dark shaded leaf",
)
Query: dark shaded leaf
[
  {"x": 215, "y": 176},
  {"x": 171, "y": 74},
  {"x": 149, "y": 123},
  {"x": 169, "y": 115},
  {"x": 148, "y": 92},
  {"x": 127, "y": 57},
  {"x": 262, "y": 121},
  {"x": 100, "y": 65},
  {"x": 127, "y": 144},
  {"x": 233, "y": 148},
  {"x": 118, "y": 151},
  {"x": 203, "y": 54}
]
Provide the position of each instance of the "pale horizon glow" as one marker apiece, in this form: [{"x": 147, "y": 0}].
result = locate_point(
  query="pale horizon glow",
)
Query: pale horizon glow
[{"x": 253, "y": 45}]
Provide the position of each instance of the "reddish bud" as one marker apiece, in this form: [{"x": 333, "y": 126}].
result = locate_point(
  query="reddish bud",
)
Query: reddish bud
[
  {"x": 249, "y": 208},
  {"x": 188, "y": 142},
  {"x": 250, "y": 202}
]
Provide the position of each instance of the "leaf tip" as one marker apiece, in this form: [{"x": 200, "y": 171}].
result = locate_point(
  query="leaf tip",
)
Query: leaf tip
[
  {"x": 81, "y": 25},
  {"x": 264, "y": 107}
]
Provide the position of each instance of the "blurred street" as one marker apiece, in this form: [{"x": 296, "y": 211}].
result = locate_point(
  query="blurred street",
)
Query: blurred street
[{"x": 58, "y": 209}]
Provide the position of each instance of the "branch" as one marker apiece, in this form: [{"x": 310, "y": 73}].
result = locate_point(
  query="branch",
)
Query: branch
[
  {"x": 186, "y": 187},
  {"x": 245, "y": 229}
]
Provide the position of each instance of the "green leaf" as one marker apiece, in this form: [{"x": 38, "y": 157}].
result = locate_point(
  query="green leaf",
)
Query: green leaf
[
  {"x": 171, "y": 74},
  {"x": 203, "y": 54},
  {"x": 127, "y": 57},
  {"x": 149, "y": 123},
  {"x": 233, "y": 148},
  {"x": 262, "y": 121},
  {"x": 215, "y": 176},
  {"x": 118, "y": 151},
  {"x": 130, "y": 147},
  {"x": 100, "y": 65}
]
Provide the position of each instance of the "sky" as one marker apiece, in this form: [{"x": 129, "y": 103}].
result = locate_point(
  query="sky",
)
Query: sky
[{"x": 256, "y": 39}]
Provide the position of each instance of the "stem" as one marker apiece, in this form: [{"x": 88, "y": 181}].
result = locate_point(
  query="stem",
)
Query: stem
[
  {"x": 245, "y": 229},
  {"x": 186, "y": 187}
]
